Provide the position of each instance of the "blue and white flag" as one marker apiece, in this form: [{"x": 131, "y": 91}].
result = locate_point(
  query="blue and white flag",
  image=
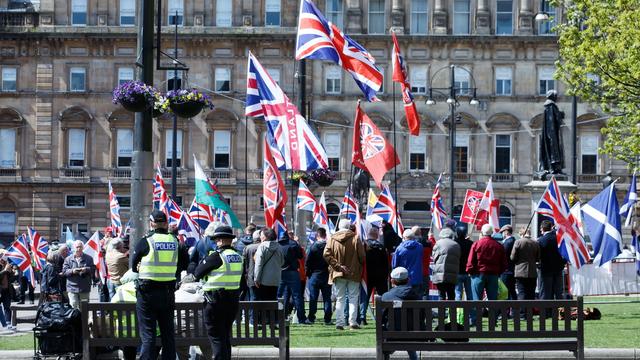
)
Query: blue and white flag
[
  {"x": 635, "y": 243},
  {"x": 602, "y": 220},
  {"x": 626, "y": 210},
  {"x": 68, "y": 237}
]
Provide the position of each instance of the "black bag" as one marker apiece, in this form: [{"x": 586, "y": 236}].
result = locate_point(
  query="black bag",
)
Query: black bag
[
  {"x": 58, "y": 316},
  {"x": 57, "y": 342}
]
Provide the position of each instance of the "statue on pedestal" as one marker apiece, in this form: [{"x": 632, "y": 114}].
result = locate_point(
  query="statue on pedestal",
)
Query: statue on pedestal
[{"x": 551, "y": 148}]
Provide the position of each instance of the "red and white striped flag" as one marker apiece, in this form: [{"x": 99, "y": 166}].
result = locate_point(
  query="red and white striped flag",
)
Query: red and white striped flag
[{"x": 93, "y": 248}]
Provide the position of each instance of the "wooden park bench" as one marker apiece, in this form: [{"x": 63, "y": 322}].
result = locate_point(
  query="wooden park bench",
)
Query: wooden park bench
[
  {"x": 422, "y": 325},
  {"x": 17, "y": 318},
  {"x": 100, "y": 326}
]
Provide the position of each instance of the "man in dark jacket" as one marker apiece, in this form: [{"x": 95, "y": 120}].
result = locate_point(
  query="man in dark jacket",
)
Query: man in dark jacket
[
  {"x": 290, "y": 280},
  {"x": 446, "y": 258},
  {"x": 507, "y": 276},
  {"x": 525, "y": 254},
  {"x": 487, "y": 260},
  {"x": 409, "y": 256},
  {"x": 390, "y": 237},
  {"x": 377, "y": 272},
  {"x": 401, "y": 290},
  {"x": 317, "y": 271},
  {"x": 245, "y": 240},
  {"x": 551, "y": 263},
  {"x": 464, "y": 281}
]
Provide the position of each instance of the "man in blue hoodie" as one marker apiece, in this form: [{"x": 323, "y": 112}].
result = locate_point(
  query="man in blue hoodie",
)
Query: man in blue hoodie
[{"x": 409, "y": 256}]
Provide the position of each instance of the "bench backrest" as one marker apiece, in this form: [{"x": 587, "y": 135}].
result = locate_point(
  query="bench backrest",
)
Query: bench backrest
[{"x": 428, "y": 319}]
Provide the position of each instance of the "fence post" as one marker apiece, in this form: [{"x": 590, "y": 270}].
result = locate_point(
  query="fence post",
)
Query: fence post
[
  {"x": 580, "y": 328},
  {"x": 84, "y": 318}
]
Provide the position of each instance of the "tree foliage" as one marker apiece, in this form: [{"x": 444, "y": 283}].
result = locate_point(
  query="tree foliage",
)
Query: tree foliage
[{"x": 600, "y": 63}]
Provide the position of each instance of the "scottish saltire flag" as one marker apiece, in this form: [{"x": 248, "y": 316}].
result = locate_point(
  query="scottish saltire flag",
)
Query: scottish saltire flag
[
  {"x": 311, "y": 235},
  {"x": 188, "y": 228},
  {"x": 626, "y": 210},
  {"x": 321, "y": 217},
  {"x": 39, "y": 248},
  {"x": 207, "y": 193},
  {"x": 571, "y": 243},
  {"x": 274, "y": 194},
  {"x": 385, "y": 208},
  {"x": 158, "y": 188},
  {"x": 18, "y": 254},
  {"x": 114, "y": 208},
  {"x": 172, "y": 210},
  {"x": 93, "y": 248},
  {"x": 349, "y": 207},
  {"x": 320, "y": 39},
  {"x": 200, "y": 213},
  {"x": 296, "y": 143},
  {"x": 635, "y": 243},
  {"x": 400, "y": 76},
  {"x": 438, "y": 214},
  {"x": 305, "y": 201},
  {"x": 602, "y": 221}
]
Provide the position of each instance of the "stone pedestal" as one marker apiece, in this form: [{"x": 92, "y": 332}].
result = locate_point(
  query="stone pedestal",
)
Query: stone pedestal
[{"x": 537, "y": 188}]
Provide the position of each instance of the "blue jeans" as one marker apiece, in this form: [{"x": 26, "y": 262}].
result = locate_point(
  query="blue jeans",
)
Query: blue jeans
[
  {"x": 3, "y": 321},
  {"x": 484, "y": 282},
  {"x": 112, "y": 288},
  {"x": 319, "y": 283},
  {"x": 290, "y": 286},
  {"x": 463, "y": 284}
]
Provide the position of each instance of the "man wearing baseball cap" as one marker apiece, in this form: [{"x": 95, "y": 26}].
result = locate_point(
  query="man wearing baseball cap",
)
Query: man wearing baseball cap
[
  {"x": 401, "y": 290},
  {"x": 222, "y": 272},
  {"x": 157, "y": 259}
]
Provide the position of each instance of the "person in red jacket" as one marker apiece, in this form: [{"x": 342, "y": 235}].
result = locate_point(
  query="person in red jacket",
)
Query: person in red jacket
[
  {"x": 487, "y": 260},
  {"x": 427, "y": 248}
]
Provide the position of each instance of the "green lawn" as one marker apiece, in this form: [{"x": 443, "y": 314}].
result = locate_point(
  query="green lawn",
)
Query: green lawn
[{"x": 618, "y": 328}]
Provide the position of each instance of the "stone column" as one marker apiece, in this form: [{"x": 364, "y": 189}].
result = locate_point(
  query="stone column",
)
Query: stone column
[
  {"x": 397, "y": 16},
  {"x": 353, "y": 19},
  {"x": 525, "y": 18},
  {"x": 440, "y": 17},
  {"x": 483, "y": 17}
]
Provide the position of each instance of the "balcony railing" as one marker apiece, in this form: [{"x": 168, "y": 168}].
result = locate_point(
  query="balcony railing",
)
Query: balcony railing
[
  {"x": 74, "y": 174},
  {"x": 18, "y": 18},
  {"x": 166, "y": 173},
  {"x": 503, "y": 177},
  {"x": 123, "y": 173},
  {"x": 8, "y": 172},
  {"x": 589, "y": 178}
]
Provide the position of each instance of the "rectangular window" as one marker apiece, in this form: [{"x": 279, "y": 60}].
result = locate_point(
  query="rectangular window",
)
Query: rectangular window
[
  {"x": 169, "y": 147},
  {"x": 462, "y": 82},
  {"x": 417, "y": 152},
  {"x": 124, "y": 201},
  {"x": 79, "y": 12},
  {"x": 9, "y": 79},
  {"x": 77, "y": 79},
  {"x": 7, "y": 222},
  {"x": 332, "y": 145},
  {"x": 503, "y": 80},
  {"x": 84, "y": 229},
  {"x": 546, "y": 27},
  {"x": 503, "y": 154},
  {"x": 333, "y": 80},
  {"x": 76, "y": 147},
  {"x": 223, "y": 13},
  {"x": 275, "y": 74},
  {"x": 376, "y": 17},
  {"x": 504, "y": 17},
  {"x": 589, "y": 153},
  {"x": 7, "y": 148},
  {"x": 418, "y": 79},
  {"x": 171, "y": 83},
  {"x": 64, "y": 230},
  {"x": 127, "y": 12},
  {"x": 222, "y": 79},
  {"x": 461, "y": 153},
  {"x": 74, "y": 201},
  {"x": 545, "y": 80},
  {"x": 125, "y": 74},
  {"x": 461, "y": 15},
  {"x": 334, "y": 12},
  {"x": 221, "y": 149},
  {"x": 272, "y": 13},
  {"x": 124, "y": 147},
  {"x": 419, "y": 18},
  {"x": 175, "y": 11}
]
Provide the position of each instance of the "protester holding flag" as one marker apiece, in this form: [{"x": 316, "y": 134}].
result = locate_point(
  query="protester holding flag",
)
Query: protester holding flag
[
  {"x": 377, "y": 268},
  {"x": 551, "y": 263},
  {"x": 79, "y": 270}
]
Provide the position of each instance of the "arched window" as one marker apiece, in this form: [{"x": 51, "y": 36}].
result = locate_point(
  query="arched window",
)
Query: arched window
[
  {"x": 333, "y": 211},
  {"x": 8, "y": 220},
  {"x": 504, "y": 216}
]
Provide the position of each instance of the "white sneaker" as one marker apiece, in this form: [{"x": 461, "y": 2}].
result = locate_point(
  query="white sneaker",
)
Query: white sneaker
[{"x": 11, "y": 327}]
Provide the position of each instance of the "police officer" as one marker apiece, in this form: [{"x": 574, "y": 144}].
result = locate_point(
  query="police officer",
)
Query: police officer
[
  {"x": 221, "y": 271},
  {"x": 159, "y": 259}
]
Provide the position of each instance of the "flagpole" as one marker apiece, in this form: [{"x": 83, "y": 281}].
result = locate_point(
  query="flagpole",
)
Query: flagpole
[
  {"x": 395, "y": 168},
  {"x": 246, "y": 170}
]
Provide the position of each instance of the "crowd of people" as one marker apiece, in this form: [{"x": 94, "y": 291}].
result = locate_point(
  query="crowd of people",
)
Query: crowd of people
[{"x": 337, "y": 268}]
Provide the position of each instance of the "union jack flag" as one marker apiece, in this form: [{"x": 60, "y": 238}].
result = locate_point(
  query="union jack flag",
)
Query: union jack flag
[
  {"x": 570, "y": 241},
  {"x": 200, "y": 213},
  {"x": 273, "y": 191},
  {"x": 188, "y": 229},
  {"x": 222, "y": 217},
  {"x": 385, "y": 208},
  {"x": 306, "y": 200},
  {"x": 18, "y": 254},
  {"x": 39, "y": 248},
  {"x": 349, "y": 207},
  {"x": 280, "y": 224},
  {"x": 320, "y": 39},
  {"x": 288, "y": 132},
  {"x": 321, "y": 217},
  {"x": 158, "y": 188},
  {"x": 400, "y": 76},
  {"x": 114, "y": 207},
  {"x": 171, "y": 209},
  {"x": 438, "y": 214}
]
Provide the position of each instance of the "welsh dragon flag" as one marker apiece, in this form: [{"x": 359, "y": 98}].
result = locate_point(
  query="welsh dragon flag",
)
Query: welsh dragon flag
[{"x": 208, "y": 194}]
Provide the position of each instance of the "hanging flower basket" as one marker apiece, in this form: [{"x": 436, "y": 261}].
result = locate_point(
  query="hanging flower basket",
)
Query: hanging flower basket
[
  {"x": 323, "y": 177},
  {"x": 160, "y": 105},
  {"x": 188, "y": 103},
  {"x": 134, "y": 96}
]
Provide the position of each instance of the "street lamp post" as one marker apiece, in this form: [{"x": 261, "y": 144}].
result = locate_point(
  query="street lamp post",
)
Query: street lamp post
[{"x": 452, "y": 101}]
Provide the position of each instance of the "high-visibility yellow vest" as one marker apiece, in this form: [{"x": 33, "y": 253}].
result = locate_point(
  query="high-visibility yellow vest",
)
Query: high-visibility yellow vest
[
  {"x": 125, "y": 293},
  {"x": 226, "y": 276},
  {"x": 161, "y": 262}
]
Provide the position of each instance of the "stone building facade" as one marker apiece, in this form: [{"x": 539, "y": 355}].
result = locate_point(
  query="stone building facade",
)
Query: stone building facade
[{"x": 62, "y": 139}]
